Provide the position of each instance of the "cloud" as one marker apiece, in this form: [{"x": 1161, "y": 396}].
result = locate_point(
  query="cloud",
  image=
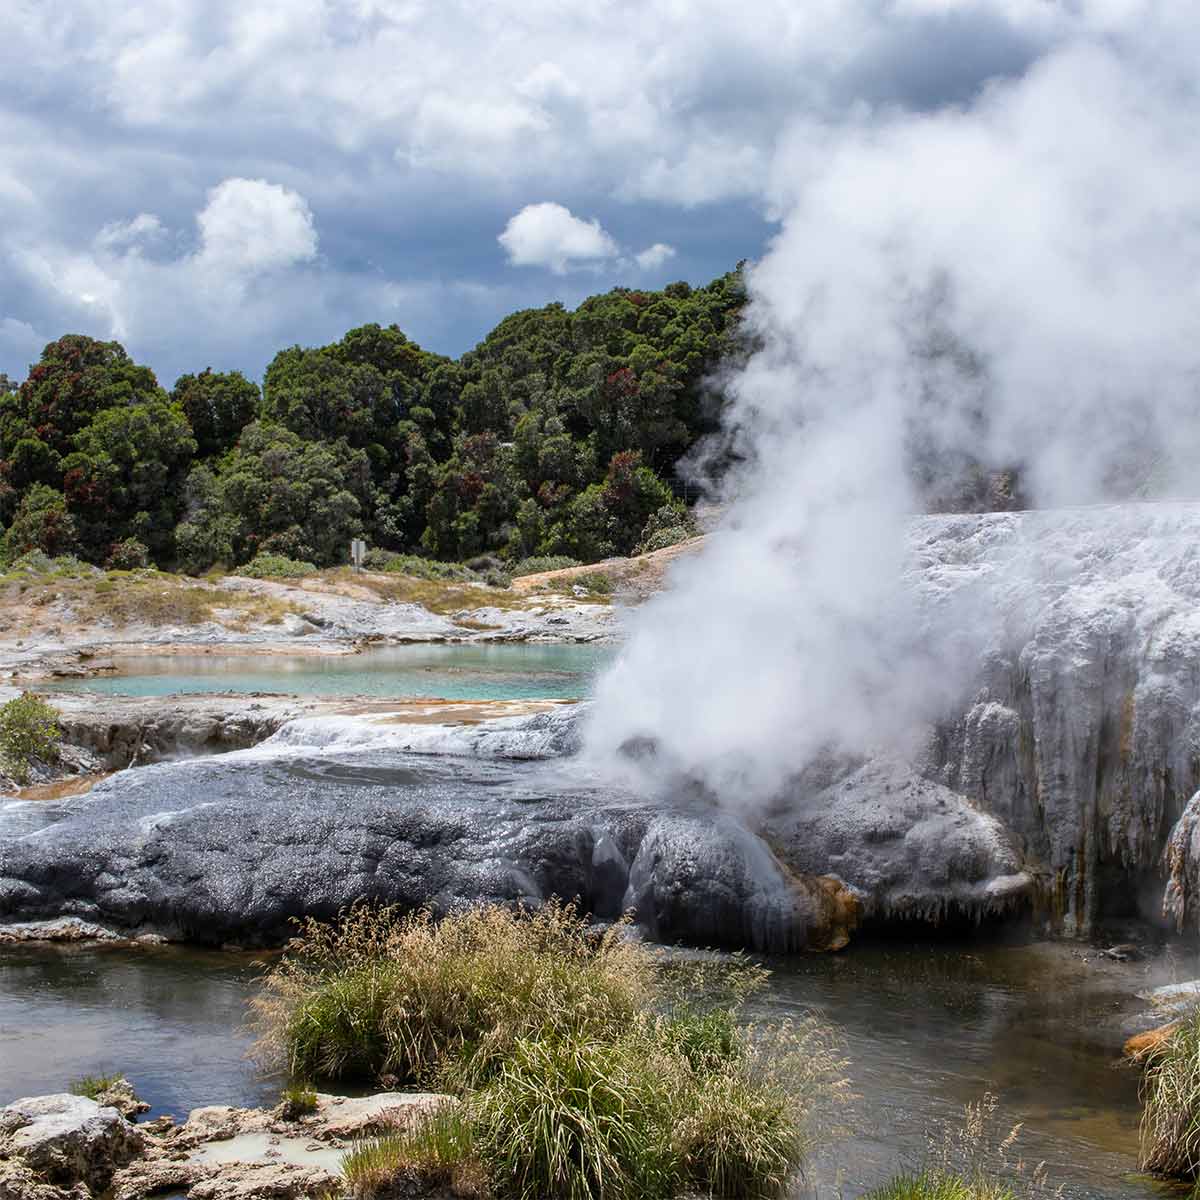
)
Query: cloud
[
  {"x": 549, "y": 235},
  {"x": 661, "y": 123},
  {"x": 654, "y": 256},
  {"x": 251, "y": 225}
]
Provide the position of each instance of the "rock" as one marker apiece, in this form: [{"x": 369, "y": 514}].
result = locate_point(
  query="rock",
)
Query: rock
[
  {"x": 909, "y": 848},
  {"x": 1174, "y": 995},
  {"x": 18, "y": 1182},
  {"x": 69, "y": 1139},
  {"x": 154, "y": 1177},
  {"x": 1078, "y": 725},
  {"x": 120, "y": 1095},
  {"x": 343, "y": 1118},
  {"x": 265, "y": 1181}
]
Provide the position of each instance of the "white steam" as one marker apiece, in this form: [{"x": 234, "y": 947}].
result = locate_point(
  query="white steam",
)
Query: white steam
[{"x": 1016, "y": 282}]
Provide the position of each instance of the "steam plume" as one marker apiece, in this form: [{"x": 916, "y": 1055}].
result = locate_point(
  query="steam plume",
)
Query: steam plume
[{"x": 1012, "y": 283}]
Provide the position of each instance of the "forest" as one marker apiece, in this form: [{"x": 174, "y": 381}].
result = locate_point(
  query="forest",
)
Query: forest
[{"x": 558, "y": 435}]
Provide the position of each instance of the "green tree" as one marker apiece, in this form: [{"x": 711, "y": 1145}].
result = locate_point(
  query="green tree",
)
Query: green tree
[
  {"x": 41, "y": 522},
  {"x": 218, "y": 406}
]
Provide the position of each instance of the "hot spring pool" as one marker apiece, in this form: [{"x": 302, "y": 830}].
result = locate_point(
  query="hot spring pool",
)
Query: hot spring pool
[{"x": 474, "y": 671}]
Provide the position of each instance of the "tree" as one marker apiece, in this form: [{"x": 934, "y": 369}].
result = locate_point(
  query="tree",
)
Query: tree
[
  {"x": 276, "y": 493},
  {"x": 41, "y": 523},
  {"x": 218, "y": 406}
]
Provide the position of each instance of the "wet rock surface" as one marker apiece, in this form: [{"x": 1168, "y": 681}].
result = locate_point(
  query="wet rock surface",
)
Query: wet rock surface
[{"x": 230, "y": 849}]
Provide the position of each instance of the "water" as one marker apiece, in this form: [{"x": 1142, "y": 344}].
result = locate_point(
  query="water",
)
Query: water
[
  {"x": 474, "y": 671},
  {"x": 927, "y": 1030}
]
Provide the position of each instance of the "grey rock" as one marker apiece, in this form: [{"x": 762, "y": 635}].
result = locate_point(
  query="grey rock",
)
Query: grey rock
[{"x": 69, "y": 1139}]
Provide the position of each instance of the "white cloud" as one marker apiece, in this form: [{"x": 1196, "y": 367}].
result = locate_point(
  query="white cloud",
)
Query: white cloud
[
  {"x": 251, "y": 225},
  {"x": 549, "y": 235},
  {"x": 654, "y": 256},
  {"x": 120, "y": 235}
]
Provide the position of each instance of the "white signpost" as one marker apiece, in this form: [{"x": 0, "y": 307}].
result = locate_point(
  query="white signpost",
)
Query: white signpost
[{"x": 358, "y": 552}]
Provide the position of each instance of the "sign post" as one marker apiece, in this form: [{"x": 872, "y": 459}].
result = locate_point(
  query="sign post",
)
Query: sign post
[{"x": 358, "y": 552}]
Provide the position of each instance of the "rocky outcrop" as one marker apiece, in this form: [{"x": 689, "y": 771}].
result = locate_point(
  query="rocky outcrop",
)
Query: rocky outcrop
[
  {"x": 67, "y": 1141},
  {"x": 70, "y": 1148},
  {"x": 1080, "y": 727},
  {"x": 231, "y": 848}
]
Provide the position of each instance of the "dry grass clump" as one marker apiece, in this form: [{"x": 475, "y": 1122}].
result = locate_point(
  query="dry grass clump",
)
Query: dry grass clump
[
  {"x": 1170, "y": 1132},
  {"x": 435, "y": 1153},
  {"x": 381, "y": 993},
  {"x": 577, "y": 1077},
  {"x": 973, "y": 1161}
]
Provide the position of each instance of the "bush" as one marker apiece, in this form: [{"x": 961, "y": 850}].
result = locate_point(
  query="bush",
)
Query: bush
[
  {"x": 544, "y": 562},
  {"x": 668, "y": 526},
  {"x": 418, "y": 567},
  {"x": 276, "y": 566},
  {"x": 129, "y": 555},
  {"x": 578, "y": 1079},
  {"x": 939, "y": 1185},
  {"x": 1170, "y": 1131},
  {"x": 28, "y": 731}
]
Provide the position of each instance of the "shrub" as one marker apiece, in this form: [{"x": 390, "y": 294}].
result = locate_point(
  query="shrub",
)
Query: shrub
[
  {"x": 28, "y": 731},
  {"x": 1170, "y": 1130},
  {"x": 668, "y": 526},
  {"x": 276, "y": 566},
  {"x": 940, "y": 1185},
  {"x": 416, "y": 566},
  {"x": 545, "y": 562},
  {"x": 128, "y": 555}
]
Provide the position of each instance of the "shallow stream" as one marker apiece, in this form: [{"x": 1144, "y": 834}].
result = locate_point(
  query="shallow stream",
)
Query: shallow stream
[{"x": 928, "y": 1028}]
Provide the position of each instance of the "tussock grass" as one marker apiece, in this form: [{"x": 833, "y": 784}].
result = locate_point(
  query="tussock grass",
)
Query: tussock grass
[
  {"x": 1170, "y": 1129},
  {"x": 425, "y": 1000},
  {"x": 436, "y": 1152},
  {"x": 578, "y": 1076},
  {"x": 297, "y": 1100},
  {"x": 976, "y": 1160},
  {"x": 93, "y": 1086}
]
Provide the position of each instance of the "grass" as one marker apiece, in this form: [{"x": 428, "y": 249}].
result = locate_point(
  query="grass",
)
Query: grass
[
  {"x": 379, "y": 993},
  {"x": 141, "y": 597},
  {"x": 973, "y": 1161},
  {"x": 580, "y": 1074},
  {"x": 93, "y": 1086},
  {"x": 297, "y": 1100},
  {"x": 29, "y": 732},
  {"x": 437, "y": 1150},
  {"x": 1170, "y": 1129}
]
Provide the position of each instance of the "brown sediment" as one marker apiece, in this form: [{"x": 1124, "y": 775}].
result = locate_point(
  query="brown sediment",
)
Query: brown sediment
[
  {"x": 453, "y": 712},
  {"x": 60, "y": 789},
  {"x": 1142, "y": 1044}
]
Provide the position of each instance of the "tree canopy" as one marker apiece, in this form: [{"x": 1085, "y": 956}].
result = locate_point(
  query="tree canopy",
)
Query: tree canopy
[{"x": 558, "y": 434}]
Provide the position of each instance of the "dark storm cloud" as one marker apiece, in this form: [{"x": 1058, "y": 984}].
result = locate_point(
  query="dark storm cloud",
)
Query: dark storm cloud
[{"x": 408, "y": 134}]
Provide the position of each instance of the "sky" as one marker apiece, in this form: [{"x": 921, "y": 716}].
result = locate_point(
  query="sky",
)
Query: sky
[{"x": 208, "y": 181}]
